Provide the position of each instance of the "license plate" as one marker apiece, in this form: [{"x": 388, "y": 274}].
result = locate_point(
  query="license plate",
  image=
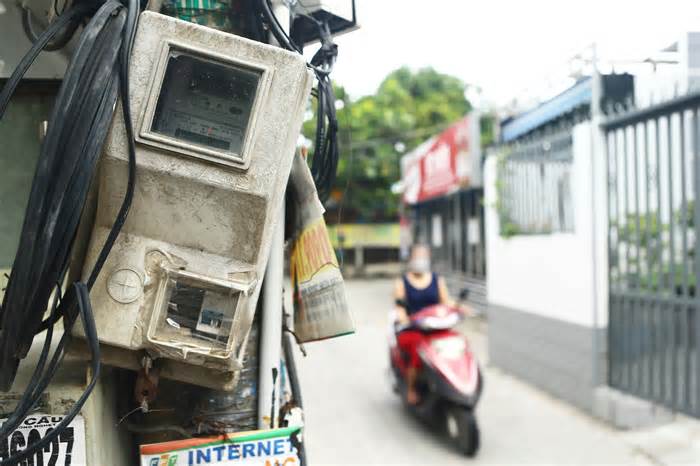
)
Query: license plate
[{"x": 68, "y": 449}]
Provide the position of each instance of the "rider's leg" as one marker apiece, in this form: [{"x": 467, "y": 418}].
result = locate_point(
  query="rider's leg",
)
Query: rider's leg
[{"x": 409, "y": 341}]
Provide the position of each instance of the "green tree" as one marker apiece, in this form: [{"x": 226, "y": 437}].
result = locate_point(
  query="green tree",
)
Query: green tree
[{"x": 408, "y": 107}]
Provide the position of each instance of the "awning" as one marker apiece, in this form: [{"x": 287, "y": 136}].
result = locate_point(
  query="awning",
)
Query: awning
[{"x": 577, "y": 95}]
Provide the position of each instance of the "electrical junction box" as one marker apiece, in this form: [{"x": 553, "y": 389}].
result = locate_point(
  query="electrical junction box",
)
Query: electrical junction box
[
  {"x": 216, "y": 118},
  {"x": 339, "y": 14}
]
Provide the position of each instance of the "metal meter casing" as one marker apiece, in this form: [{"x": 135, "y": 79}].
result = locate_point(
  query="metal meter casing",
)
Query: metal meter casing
[{"x": 217, "y": 118}]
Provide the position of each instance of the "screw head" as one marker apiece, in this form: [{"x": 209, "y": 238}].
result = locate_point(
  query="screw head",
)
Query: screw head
[{"x": 124, "y": 286}]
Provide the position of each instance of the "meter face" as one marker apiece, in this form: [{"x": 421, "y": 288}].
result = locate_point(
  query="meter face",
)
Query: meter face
[{"x": 205, "y": 102}]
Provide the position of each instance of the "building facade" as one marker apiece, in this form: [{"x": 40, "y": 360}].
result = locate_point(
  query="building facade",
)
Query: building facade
[
  {"x": 546, "y": 230},
  {"x": 591, "y": 236}
]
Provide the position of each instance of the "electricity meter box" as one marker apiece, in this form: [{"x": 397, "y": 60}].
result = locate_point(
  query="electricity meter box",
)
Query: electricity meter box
[{"x": 216, "y": 118}]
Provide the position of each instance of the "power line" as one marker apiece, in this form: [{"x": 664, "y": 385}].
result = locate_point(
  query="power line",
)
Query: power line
[{"x": 374, "y": 142}]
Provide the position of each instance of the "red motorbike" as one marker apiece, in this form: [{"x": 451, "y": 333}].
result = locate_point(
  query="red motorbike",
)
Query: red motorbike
[{"x": 449, "y": 382}]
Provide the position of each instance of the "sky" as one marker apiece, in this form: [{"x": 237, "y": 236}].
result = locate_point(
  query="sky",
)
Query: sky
[{"x": 505, "y": 47}]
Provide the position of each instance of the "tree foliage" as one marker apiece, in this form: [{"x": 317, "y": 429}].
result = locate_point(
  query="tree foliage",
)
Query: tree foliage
[{"x": 375, "y": 130}]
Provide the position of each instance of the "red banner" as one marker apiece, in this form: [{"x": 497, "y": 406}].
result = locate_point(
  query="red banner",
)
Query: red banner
[{"x": 441, "y": 165}]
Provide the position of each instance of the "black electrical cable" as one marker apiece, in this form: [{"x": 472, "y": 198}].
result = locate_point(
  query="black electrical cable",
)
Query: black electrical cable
[
  {"x": 129, "y": 33},
  {"x": 57, "y": 43},
  {"x": 324, "y": 163},
  {"x": 290, "y": 363},
  {"x": 288, "y": 341},
  {"x": 78, "y": 127},
  {"x": 77, "y": 12},
  {"x": 256, "y": 30},
  {"x": 83, "y": 303},
  {"x": 276, "y": 29},
  {"x": 326, "y": 151},
  {"x": 48, "y": 150},
  {"x": 325, "y": 157}
]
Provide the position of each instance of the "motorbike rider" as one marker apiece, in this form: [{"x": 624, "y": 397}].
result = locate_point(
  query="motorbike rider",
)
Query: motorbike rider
[{"x": 417, "y": 289}]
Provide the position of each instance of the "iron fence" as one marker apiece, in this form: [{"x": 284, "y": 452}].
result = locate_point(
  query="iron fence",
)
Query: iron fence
[
  {"x": 535, "y": 186},
  {"x": 653, "y": 167}
]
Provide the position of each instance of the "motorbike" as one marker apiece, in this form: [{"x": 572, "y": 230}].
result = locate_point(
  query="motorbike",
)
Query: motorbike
[{"x": 449, "y": 382}]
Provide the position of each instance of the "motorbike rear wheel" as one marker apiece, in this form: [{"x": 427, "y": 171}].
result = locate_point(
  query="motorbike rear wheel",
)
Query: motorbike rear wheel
[{"x": 462, "y": 430}]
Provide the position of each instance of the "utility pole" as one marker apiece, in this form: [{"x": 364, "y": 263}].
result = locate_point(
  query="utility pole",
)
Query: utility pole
[{"x": 272, "y": 317}]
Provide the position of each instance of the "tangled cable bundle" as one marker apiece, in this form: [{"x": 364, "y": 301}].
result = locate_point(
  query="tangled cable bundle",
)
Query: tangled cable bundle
[
  {"x": 324, "y": 164},
  {"x": 97, "y": 78},
  {"x": 98, "y": 74}
]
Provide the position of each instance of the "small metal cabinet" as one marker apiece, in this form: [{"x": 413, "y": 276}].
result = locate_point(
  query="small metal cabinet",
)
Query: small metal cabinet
[{"x": 217, "y": 118}]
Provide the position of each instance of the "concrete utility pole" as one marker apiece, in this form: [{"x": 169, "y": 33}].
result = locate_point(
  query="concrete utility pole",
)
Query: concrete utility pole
[{"x": 273, "y": 289}]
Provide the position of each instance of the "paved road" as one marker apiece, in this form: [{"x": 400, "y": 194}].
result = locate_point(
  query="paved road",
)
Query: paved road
[{"x": 353, "y": 417}]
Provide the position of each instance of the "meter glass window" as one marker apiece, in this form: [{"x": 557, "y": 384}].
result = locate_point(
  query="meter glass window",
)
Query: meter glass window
[
  {"x": 197, "y": 314},
  {"x": 206, "y": 103}
]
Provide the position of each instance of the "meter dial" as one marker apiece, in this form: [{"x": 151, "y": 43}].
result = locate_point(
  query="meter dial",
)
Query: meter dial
[{"x": 206, "y": 103}]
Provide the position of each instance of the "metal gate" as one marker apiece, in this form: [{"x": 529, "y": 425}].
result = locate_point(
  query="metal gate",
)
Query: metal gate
[{"x": 653, "y": 178}]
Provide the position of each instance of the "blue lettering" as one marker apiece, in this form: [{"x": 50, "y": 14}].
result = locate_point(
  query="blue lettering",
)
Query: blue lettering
[
  {"x": 190, "y": 457},
  {"x": 290, "y": 445},
  {"x": 248, "y": 450},
  {"x": 203, "y": 455},
  {"x": 279, "y": 446},
  {"x": 264, "y": 448},
  {"x": 233, "y": 452},
  {"x": 219, "y": 452}
]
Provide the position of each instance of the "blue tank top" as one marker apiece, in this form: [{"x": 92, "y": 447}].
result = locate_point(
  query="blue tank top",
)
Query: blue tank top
[{"x": 417, "y": 298}]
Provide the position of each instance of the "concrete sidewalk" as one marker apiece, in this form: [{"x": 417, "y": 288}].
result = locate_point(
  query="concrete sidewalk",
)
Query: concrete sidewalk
[
  {"x": 540, "y": 429},
  {"x": 675, "y": 443},
  {"x": 354, "y": 418}
]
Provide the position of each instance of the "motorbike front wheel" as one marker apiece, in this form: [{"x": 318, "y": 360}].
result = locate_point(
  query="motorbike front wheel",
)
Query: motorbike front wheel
[{"x": 462, "y": 430}]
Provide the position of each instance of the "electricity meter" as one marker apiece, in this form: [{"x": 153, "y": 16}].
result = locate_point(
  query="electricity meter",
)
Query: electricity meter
[{"x": 217, "y": 119}]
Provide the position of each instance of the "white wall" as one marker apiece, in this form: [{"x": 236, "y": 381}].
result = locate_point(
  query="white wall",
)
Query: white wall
[{"x": 555, "y": 275}]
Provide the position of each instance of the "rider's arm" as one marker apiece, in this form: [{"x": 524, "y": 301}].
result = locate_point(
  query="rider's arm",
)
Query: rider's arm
[
  {"x": 447, "y": 300},
  {"x": 444, "y": 293},
  {"x": 400, "y": 295}
]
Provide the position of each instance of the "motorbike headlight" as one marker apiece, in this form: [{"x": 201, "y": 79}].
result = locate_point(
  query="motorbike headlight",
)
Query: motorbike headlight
[{"x": 450, "y": 347}]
